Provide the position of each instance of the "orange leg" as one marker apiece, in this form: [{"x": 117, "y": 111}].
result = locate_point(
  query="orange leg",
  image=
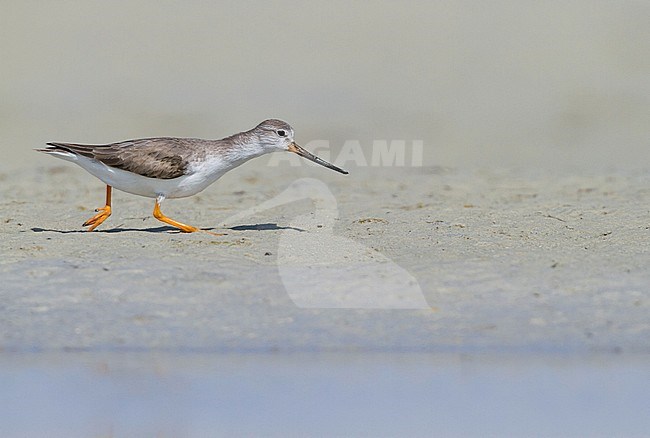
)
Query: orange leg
[
  {"x": 103, "y": 213},
  {"x": 161, "y": 217},
  {"x": 184, "y": 228}
]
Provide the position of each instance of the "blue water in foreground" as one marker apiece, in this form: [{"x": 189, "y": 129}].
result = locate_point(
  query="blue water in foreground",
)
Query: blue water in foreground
[{"x": 113, "y": 394}]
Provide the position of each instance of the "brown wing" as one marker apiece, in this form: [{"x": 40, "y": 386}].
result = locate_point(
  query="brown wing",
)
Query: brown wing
[{"x": 162, "y": 158}]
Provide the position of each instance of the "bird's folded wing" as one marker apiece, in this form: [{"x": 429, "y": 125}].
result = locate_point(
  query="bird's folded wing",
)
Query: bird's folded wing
[{"x": 162, "y": 158}]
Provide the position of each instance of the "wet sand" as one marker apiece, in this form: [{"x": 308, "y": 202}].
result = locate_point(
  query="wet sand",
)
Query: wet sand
[{"x": 323, "y": 394}]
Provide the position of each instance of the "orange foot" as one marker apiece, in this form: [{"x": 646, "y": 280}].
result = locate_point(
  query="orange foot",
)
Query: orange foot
[
  {"x": 181, "y": 226},
  {"x": 101, "y": 216},
  {"x": 103, "y": 213}
]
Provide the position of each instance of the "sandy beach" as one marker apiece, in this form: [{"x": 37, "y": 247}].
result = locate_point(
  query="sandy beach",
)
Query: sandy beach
[
  {"x": 504, "y": 261},
  {"x": 543, "y": 278}
]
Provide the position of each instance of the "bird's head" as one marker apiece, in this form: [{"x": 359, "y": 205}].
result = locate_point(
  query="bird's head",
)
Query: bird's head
[{"x": 276, "y": 135}]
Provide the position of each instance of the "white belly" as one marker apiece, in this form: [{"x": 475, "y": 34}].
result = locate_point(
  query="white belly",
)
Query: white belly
[{"x": 186, "y": 185}]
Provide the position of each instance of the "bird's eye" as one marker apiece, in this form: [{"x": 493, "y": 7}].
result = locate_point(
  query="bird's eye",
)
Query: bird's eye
[{"x": 282, "y": 133}]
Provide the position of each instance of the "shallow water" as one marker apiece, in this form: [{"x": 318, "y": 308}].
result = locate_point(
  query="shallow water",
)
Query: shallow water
[{"x": 374, "y": 394}]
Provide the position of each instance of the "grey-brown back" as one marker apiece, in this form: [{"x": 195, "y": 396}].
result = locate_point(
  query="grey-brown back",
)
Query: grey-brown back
[{"x": 162, "y": 157}]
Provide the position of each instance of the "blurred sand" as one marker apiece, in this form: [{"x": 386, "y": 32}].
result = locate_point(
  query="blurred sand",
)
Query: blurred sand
[{"x": 504, "y": 83}]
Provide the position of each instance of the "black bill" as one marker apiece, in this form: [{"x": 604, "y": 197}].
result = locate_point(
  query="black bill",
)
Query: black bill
[{"x": 293, "y": 147}]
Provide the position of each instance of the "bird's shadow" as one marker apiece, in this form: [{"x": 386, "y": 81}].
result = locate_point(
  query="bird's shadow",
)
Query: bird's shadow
[
  {"x": 263, "y": 227},
  {"x": 166, "y": 229},
  {"x": 162, "y": 229}
]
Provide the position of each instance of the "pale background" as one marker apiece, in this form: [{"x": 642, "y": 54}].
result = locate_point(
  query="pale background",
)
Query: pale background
[{"x": 497, "y": 84}]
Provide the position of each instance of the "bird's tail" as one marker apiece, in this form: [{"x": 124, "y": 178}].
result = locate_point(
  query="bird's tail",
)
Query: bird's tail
[{"x": 59, "y": 150}]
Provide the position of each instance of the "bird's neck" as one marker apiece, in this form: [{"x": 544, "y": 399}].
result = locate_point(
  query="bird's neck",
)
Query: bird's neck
[{"x": 238, "y": 148}]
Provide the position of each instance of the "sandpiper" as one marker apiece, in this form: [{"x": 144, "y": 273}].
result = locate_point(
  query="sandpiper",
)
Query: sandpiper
[{"x": 168, "y": 167}]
